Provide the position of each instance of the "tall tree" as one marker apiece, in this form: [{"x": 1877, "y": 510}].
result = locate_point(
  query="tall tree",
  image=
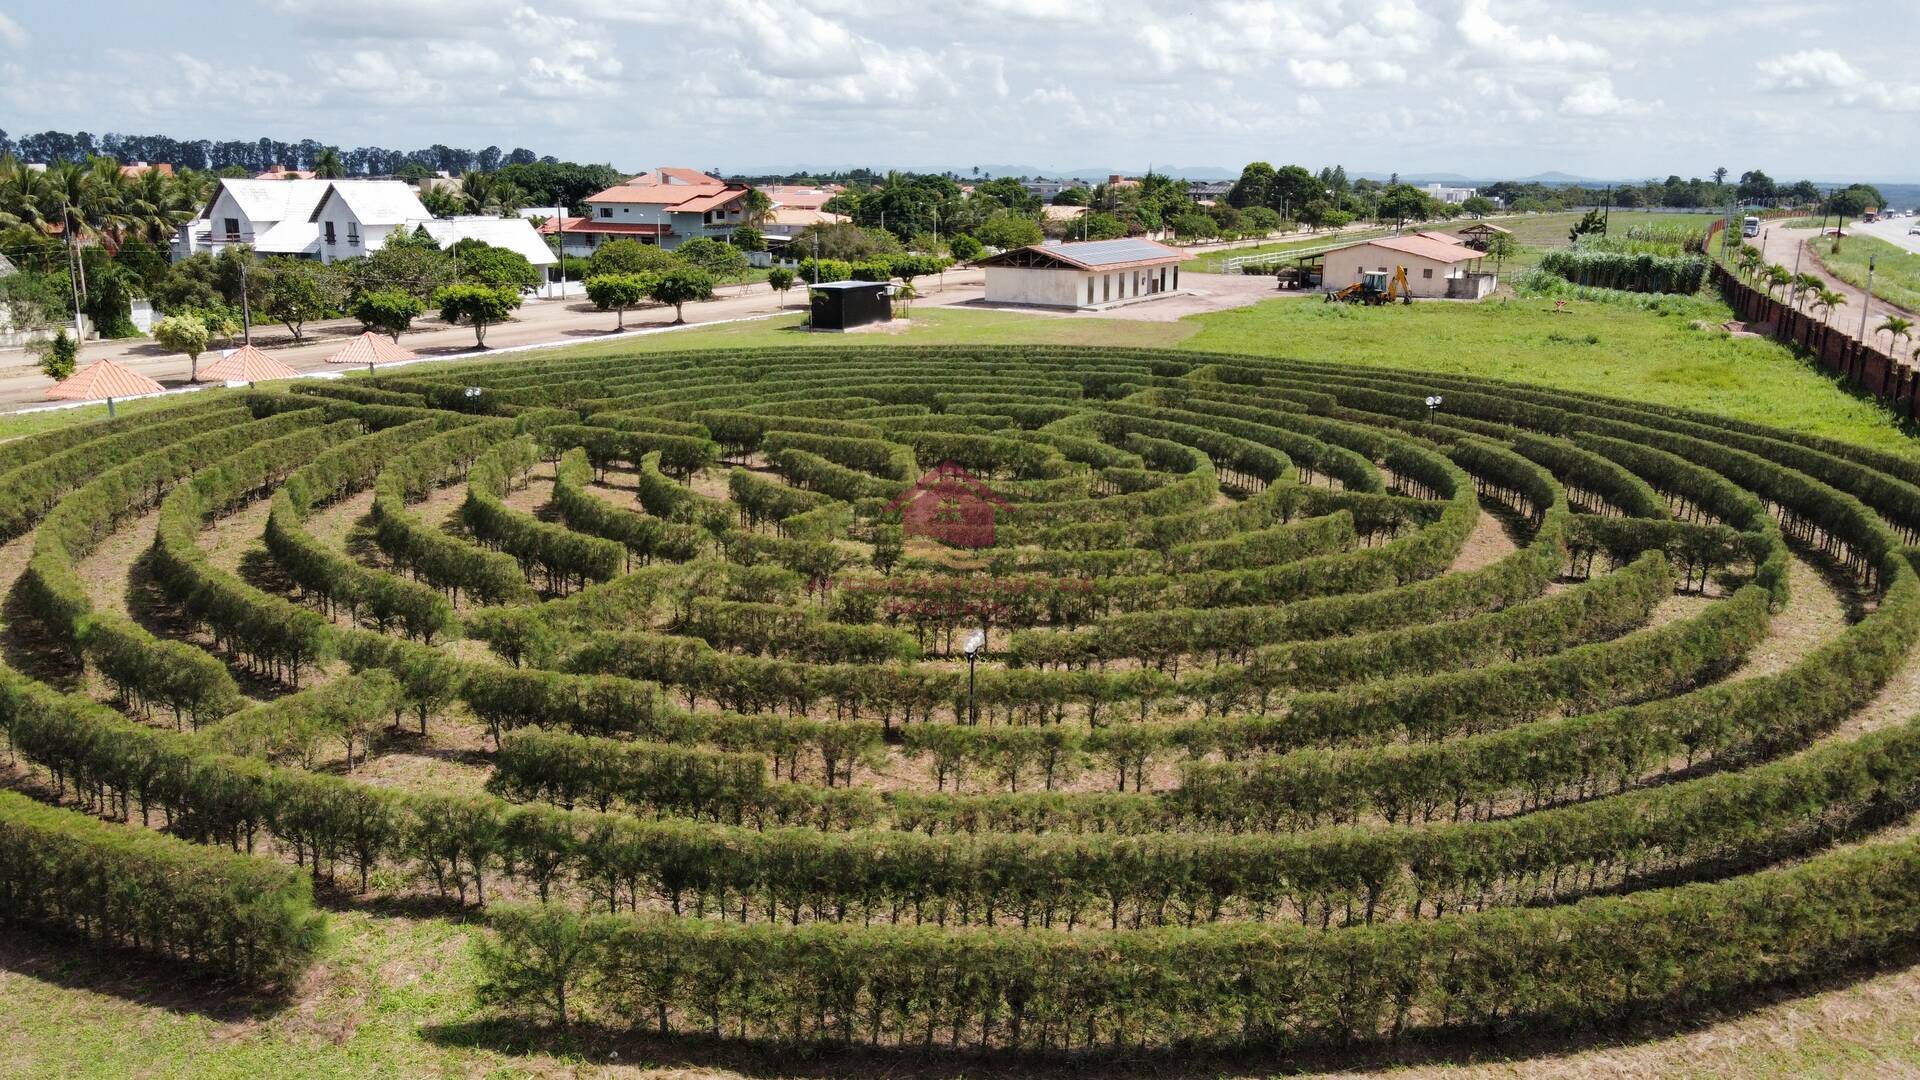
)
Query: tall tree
[{"x": 1254, "y": 186}]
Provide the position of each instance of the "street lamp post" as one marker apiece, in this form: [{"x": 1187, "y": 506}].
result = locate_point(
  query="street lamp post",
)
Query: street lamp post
[
  {"x": 1434, "y": 401},
  {"x": 975, "y": 641}
]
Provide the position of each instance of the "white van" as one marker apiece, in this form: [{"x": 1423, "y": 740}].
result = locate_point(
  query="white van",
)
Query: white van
[{"x": 1750, "y": 227}]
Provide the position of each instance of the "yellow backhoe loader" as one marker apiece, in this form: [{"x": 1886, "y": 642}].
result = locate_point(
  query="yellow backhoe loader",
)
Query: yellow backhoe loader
[{"x": 1375, "y": 287}]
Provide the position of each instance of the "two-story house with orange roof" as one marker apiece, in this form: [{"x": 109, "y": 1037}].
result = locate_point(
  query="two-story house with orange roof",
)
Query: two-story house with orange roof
[{"x": 667, "y": 207}]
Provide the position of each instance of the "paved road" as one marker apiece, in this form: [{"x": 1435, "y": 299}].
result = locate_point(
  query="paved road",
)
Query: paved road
[{"x": 1893, "y": 232}]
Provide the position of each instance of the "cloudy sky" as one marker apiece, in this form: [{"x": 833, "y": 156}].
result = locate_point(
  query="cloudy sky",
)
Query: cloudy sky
[{"x": 1624, "y": 89}]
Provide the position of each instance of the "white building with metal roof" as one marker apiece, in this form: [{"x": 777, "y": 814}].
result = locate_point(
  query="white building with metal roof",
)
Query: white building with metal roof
[
  {"x": 322, "y": 219},
  {"x": 332, "y": 220},
  {"x": 1085, "y": 276},
  {"x": 354, "y": 217},
  {"x": 514, "y": 234}
]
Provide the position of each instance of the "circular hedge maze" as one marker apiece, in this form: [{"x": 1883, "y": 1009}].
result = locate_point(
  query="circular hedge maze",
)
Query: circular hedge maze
[{"x": 1307, "y": 711}]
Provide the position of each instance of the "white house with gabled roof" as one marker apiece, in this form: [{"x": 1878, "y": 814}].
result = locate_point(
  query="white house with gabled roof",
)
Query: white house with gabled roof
[
  {"x": 354, "y": 217},
  {"x": 320, "y": 219},
  {"x": 331, "y": 220}
]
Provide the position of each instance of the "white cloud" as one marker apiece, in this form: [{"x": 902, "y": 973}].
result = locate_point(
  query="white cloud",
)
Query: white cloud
[
  {"x": 11, "y": 32},
  {"x": 1484, "y": 34},
  {"x": 1809, "y": 69},
  {"x": 1832, "y": 77},
  {"x": 1595, "y": 97},
  {"x": 1321, "y": 74}
]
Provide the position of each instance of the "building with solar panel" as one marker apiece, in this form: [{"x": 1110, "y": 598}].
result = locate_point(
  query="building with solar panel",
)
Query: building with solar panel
[{"x": 1087, "y": 276}]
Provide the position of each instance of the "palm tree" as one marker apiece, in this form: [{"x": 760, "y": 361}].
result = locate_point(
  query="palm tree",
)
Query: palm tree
[
  {"x": 155, "y": 204},
  {"x": 1897, "y": 328},
  {"x": 1749, "y": 259},
  {"x": 26, "y": 198},
  {"x": 1777, "y": 276},
  {"x": 69, "y": 195},
  {"x": 327, "y": 165},
  {"x": 1804, "y": 286},
  {"x": 1828, "y": 301},
  {"x": 489, "y": 193},
  {"x": 756, "y": 209}
]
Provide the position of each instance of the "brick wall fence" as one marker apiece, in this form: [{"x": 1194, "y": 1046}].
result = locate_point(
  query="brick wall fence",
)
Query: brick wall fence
[{"x": 1856, "y": 362}]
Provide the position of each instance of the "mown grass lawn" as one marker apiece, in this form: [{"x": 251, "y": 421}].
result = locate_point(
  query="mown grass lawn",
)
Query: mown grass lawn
[
  {"x": 1683, "y": 360},
  {"x": 1896, "y": 271}
]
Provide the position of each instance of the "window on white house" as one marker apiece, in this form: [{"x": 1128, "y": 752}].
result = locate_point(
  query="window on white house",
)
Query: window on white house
[
  {"x": 1427, "y": 273},
  {"x": 606, "y": 211},
  {"x": 353, "y": 232},
  {"x": 1089, "y": 289},
  {"x": 233, "y": 228},
  {"x": 329, "y": 226}
]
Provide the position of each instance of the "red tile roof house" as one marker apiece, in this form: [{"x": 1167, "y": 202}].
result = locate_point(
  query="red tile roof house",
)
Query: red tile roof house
[{"x": 667, "y": 207}]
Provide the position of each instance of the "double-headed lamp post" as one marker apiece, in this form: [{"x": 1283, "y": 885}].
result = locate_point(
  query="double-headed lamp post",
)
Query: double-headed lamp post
[
  {"x": 975, "y": 642},
  {"x": 1434, "y": 402}
]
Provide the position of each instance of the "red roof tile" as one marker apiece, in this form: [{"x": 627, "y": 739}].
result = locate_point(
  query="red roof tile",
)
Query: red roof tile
[
  {"x": 100, "y": 380},
  {"x": 1424, "y": 248},
  {"x": 370, "y": 348},
  {"x": 616, "y": 228},
  {"x": 693, "y": 192},
  {"x": 247, "y": 364}
]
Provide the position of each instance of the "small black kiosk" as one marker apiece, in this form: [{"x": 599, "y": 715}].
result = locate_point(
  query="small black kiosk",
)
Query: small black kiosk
[{"x": 843, "y": 305}]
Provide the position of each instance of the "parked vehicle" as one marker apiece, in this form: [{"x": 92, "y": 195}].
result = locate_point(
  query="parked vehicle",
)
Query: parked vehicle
[{"x": 1750, "y": 227}]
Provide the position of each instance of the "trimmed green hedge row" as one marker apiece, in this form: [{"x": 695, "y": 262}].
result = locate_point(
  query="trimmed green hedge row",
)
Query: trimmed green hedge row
[
  {"x": 233, "y": 916},
  {"x": 1654, "y": 954}
]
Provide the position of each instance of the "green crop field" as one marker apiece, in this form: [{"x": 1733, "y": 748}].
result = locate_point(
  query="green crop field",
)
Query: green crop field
[{"x": 610, "y": 710}]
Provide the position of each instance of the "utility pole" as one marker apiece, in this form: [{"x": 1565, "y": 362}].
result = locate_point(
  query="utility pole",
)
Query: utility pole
[
  {"x": 1868, "y": 301},
  {"x": 560, "y": 239},
  {"x": 73, "y": 286},
  {"x": 246, "y": 307},
  {"x": 1793, "y": 296}
]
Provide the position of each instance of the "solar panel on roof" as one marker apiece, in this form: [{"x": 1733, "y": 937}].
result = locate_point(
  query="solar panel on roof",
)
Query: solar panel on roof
[{"x": 1107, "y": 252}]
